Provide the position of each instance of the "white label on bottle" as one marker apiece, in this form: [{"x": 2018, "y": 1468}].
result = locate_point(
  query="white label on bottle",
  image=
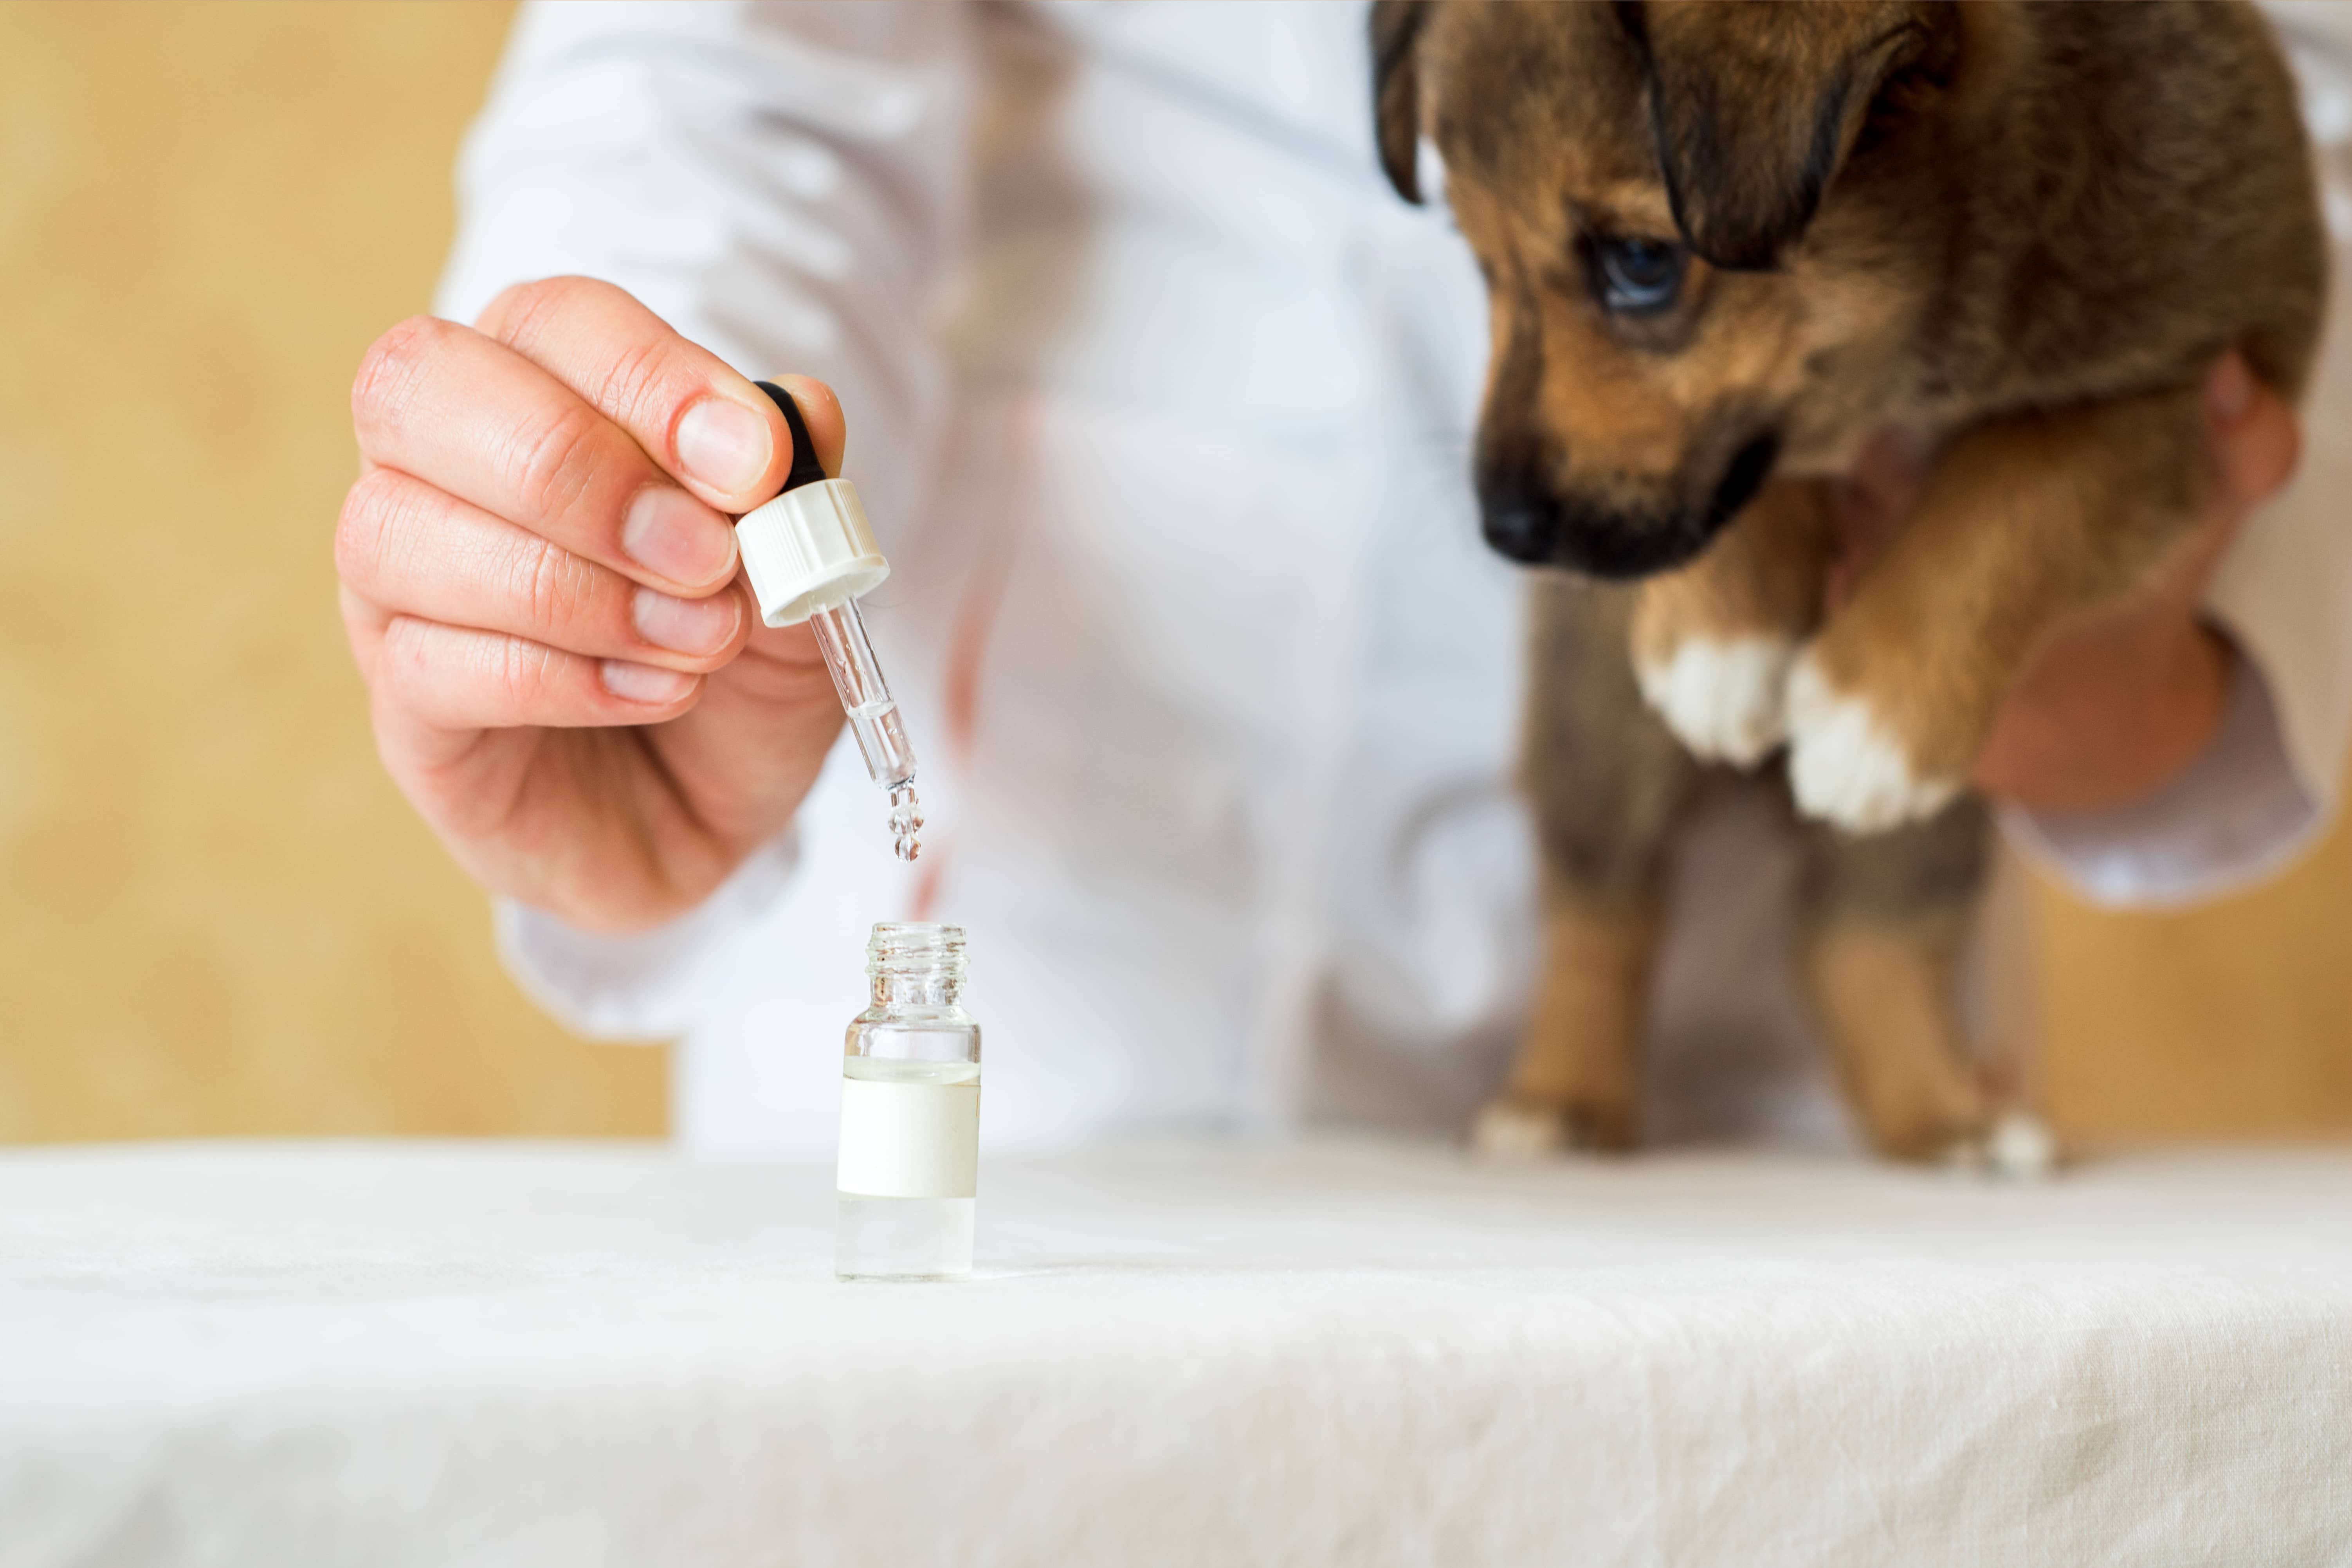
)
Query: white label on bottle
[{"x": 909, "y": 1139}]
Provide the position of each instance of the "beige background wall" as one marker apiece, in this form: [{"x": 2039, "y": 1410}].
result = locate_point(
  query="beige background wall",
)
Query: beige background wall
[
  {"x": 214, "y": 914},
  {"x": 2232, "y": 1020}
]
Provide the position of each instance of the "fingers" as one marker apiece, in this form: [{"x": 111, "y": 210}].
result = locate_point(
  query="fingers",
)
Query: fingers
[
  {"x": 441, "y": 685},
  {"x": 460, "y": 678},
  {"x": 684, "y": 406},
  {"x": 460, "y": 620},
  {"x": 472, "y": 417},
  {"x": 403, "y": 547},
  {"x": 540, "y": 534},
  {"x": 2252, "y": 434},
  {"x": 693, "y": 415}
]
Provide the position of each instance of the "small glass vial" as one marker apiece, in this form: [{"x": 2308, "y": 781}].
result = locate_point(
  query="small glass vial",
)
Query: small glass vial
[{"x": 910, "y": 1113}]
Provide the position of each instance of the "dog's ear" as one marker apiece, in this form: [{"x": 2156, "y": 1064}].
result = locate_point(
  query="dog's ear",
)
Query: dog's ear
[
  {"x": 1396, "y": 90},
  {"x": 1754, "y": 107}
]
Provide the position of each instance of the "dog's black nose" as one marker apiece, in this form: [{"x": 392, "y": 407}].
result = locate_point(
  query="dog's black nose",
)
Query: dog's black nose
[
  {"x": 1518, "y": 510},
  {"x": 1520, "y": 522}
]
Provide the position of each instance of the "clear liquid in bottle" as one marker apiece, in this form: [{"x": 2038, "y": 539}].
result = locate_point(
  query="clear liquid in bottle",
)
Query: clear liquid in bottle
[{"x": 906, "y": 1181}]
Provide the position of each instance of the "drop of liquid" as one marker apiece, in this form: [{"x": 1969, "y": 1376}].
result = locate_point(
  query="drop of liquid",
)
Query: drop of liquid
[{"x": 906, "y": 821}]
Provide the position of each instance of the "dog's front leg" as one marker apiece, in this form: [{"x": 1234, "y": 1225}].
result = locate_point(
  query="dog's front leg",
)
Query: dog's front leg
[
  {"x": 1608, "y": 784},
  {"x": 1713, "y": 642},
  {"x": 2023, "y": 522}
]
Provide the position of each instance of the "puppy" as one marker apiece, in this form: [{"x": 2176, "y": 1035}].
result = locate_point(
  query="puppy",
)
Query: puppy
[{"x": 1726, "y": 244}]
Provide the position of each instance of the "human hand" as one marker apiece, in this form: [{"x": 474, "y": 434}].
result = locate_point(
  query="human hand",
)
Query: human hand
[
  {"x": 567, "y": 676},
  {"x": 2126, "y": 695}
]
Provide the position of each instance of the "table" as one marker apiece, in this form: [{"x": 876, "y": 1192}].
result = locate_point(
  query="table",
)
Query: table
[{"x": 452, "y": 1354}]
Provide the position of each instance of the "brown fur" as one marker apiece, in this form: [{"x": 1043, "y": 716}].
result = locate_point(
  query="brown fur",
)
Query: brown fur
[
  {"x": 2027, "y": 230},
  {"x": 1762, "y": 576}
]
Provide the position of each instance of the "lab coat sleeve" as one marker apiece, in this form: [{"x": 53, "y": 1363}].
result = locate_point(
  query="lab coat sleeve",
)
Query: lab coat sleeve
[
  {"x": 2266, "y": 787},
  {"x": 784, "y": 184}
]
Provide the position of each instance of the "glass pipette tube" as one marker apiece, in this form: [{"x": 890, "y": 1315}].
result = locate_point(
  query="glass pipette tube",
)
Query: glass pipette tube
[{"x": 873, "y": 716}]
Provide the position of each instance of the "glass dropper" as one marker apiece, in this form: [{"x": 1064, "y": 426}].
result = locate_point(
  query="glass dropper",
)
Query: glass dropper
[
  {"x": 811, "y": 555},
  {"x": 873, "y": 716}
]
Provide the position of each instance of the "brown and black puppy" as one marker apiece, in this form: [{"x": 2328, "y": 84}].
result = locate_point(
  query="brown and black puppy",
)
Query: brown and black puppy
[{"x": 1726, "y": 244}]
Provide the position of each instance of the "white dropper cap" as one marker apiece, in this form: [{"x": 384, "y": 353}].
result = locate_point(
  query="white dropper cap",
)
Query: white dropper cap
[
  {"x": 811, "y": 548},
  {"x": 810, "y": 555}
]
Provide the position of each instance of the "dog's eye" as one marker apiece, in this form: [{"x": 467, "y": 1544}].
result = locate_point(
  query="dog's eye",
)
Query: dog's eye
[{"x": 1639, "y": 275}]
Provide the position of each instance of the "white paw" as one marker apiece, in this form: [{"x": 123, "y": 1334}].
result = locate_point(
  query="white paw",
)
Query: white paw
[
  {"x": 1512, "y": 1130},
  {"x": 1847, "y": 768},
  {"x": 2019, "y": 1147},
  {"x": 1721, "y": 696}
]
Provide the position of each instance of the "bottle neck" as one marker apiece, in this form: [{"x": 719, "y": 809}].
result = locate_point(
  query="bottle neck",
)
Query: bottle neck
[
  {"x": 897, "y": 992},
  {"x": 915, "y": 965}
]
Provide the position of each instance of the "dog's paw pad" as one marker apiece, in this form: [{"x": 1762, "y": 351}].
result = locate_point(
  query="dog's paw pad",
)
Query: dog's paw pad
[
  {"x": 1518, "y": 1130},
  {"x": 1722, "y": 696},
  {"x": 1846, "y": 767}
]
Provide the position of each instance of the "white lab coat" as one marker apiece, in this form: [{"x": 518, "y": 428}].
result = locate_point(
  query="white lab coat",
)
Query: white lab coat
[{"x": 1159, "y": 400}]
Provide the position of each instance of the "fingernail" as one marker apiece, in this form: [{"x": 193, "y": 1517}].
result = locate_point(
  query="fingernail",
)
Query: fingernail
[
  {"x": 2229, "y": 392},
  {"x": 644, "y": 682},
  {"x": 685, "y": 626},
  {"x": 669, "y": 533},
  {"x": 724, "y": 444}
]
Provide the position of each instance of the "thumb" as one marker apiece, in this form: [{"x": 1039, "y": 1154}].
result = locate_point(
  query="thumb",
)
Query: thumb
[
  {"x": 821, "y": 412},
  {"x": 2251, "y": 434}
]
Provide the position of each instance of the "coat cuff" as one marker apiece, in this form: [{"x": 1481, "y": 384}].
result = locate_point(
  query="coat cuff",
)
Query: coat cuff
[
  {"x": 2235, "y": 817},
  {"x": 651, "y": 985}
]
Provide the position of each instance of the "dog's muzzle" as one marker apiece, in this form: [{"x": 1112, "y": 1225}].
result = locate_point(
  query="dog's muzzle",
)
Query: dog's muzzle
[{"x": 1524, "y": 520}]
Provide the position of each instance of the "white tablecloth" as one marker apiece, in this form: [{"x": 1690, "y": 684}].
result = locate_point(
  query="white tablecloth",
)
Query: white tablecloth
[{"x": 589, "y": 1354}]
